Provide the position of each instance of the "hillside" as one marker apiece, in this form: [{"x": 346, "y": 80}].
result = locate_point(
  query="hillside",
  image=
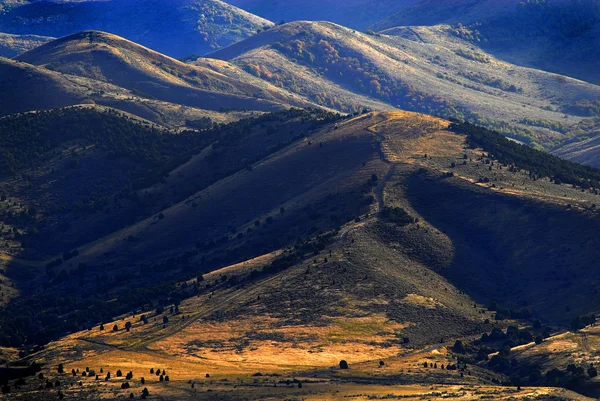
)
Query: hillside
[
  {"x": 183, "y": 28},
  {"x": 18, "y": 80},
  {"x": 105, "y": 57},
  {"x": 13, "y": 45},
  {"x": 554, "y": 35},
  {"x": 358, "y": 14},
  {"x": 434, "y": 12},
  {"x": 382, "y": 237},
  {"x": 433, "y": 73}
]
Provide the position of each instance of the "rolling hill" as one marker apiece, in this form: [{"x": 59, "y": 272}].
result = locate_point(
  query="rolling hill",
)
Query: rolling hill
[
  {"x": 555, "y": 35},
  {"x": 19, "y": 79},
  {"x": 13, "y": 45},
  {"x": 358, "y": 14},
  {"x": 420, "y": 69},
  {"x": 104, "y": 57},
  {"x": 381, "y": 237},
  {"x": 182, "y": 28}
]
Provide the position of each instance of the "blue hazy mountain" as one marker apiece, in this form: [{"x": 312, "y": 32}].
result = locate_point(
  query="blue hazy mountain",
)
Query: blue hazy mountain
[
  {"x": 555, "y": 35},
  {"x": 178, "y": 28},
  {"x": 358, "y": 14}
]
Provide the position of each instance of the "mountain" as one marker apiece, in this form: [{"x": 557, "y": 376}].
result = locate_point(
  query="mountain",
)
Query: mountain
[
  {"x": 182, "y": 28},
  {"x": 554, "y": 35},
  {"x": 19, "y": 79},
  {"x": 104, "y": 57},
  {"x": 13, "y": 45},
  {"x": 434, "y": 12},
  {"x": 420, "y": 69},
  {"x": 358, "y": 14},
  {"x": 378, "y": 239}
]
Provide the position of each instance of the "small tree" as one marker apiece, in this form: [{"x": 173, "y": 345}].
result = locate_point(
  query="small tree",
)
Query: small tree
[
  {"x": 125, "y": 385},
  {"x": 459, "y": 347},
  {"x": 165, "y": 320},
  {"x": 61, "y": 369},
  {"x": 143, "y": 381},
  {"x": 145, "y": 393},
  {"x": 539, "y": 340},
  {"x": 128, "y": 326},
  {"x": 343, "y": 364},
  {"x": 119, "y": 373},
  {"x": 115, "y": 328}
]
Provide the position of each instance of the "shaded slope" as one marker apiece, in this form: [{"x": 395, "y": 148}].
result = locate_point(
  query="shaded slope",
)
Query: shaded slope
[
  {"x": 358, "y": 14},
  {"x": 434, "y": 12},
  {"x": 179, "y": 28}
]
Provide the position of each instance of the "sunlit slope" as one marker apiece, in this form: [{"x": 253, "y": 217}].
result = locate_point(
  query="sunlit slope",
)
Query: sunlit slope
[
  {"x": 109, "y": 58},
  {"x": 13, "y": 45},
  {"x": 433, "y": 73}
]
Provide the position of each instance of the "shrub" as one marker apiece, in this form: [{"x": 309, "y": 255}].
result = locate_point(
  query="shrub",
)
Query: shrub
[{"x": 397, "y": 216}]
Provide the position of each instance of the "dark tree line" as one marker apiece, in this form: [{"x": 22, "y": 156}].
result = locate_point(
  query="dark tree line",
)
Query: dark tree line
[{"x": 539, "y": 163}]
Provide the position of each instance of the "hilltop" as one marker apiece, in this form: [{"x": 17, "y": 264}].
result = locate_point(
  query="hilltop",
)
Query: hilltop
[
  {"x": 183, "y": 28},
  {"x": 55, "y": 89},
  {"x": 424, "y": 69},
  {"x": 381, "y": 237},
  {"x": 105, "y": 57}
]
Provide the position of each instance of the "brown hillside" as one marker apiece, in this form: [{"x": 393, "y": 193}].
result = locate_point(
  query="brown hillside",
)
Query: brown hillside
[
  {"x": 382, "y": 289},
  {"x": 109, "y": 58}
]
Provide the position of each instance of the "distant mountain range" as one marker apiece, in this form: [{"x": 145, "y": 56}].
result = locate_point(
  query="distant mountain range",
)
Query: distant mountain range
[
  {"x": 555, "y": 35},
  {"x": 357, "y": 14},
  {"x": 182, "y": 28}
]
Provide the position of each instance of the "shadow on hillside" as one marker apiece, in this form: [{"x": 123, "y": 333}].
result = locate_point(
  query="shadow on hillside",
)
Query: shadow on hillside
[{"x": 522, "y": 253}]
